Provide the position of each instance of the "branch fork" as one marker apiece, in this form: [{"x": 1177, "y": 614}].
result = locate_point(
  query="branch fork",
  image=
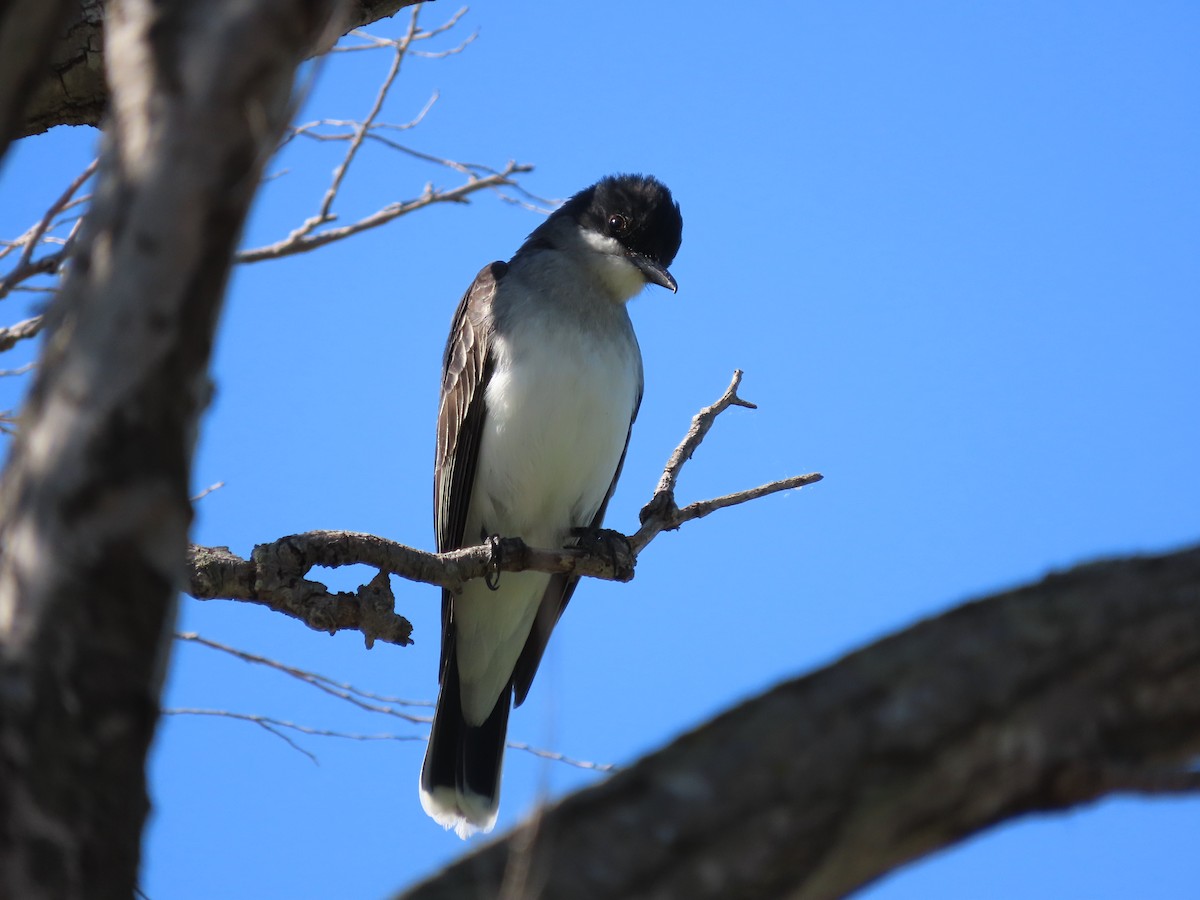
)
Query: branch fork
[{"x": 275, "y": 576}]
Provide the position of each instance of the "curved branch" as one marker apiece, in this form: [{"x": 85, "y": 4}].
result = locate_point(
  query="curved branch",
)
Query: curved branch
[
  {"x": 72, "y": 90},
  {"x": 274, "y": 576},
  {"x": 28, "y": 28},
  {"x": 1038, "y": 699}
]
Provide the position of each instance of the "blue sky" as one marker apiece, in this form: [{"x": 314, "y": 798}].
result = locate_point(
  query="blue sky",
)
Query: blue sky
[{"x": 954, "y": 248}]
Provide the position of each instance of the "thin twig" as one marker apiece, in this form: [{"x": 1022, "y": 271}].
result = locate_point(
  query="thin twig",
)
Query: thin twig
[
  {"x": 26, "y": 266},
  {"x": 702, "y": 508},
  {"x": 558, "y": 757},
  {"x": 216, "y": 486},
  {"x": 701, "y": 423},
  {"x": 276, "y": 726},
  {"x": 301, "y": 244},
  {"x": 22, "y": 331},
  {"x": 323, "y": 683},
  {"x": 311, "y": 233},
  {"x": 361, "y": 129},
  {"x": 661, "y": 513},
  {"x": 453, "y": 51},
  {"x": 19, "y": 370}
]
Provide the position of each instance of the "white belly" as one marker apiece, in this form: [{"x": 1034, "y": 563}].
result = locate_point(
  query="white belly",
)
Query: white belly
[{"x": 553, "y": 437}]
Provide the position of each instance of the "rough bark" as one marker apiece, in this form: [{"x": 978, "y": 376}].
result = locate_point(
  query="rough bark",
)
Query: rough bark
[
  {"x": 28, "y": 29},
  {"x": 94, "y": 508},
  {"x": 71, "y": 88},
  {"x": 1034, "y": 700}
]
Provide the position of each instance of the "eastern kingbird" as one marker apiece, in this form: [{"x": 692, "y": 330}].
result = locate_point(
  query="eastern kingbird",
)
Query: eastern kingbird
[{"x": 541, "y": 382}]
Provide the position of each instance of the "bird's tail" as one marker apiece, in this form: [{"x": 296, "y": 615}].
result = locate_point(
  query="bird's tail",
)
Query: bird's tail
[{"x": 460, "y": 779}]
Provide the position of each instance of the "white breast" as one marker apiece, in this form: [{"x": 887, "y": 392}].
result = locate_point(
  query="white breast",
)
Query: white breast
[{"x": 559, "y": 405}]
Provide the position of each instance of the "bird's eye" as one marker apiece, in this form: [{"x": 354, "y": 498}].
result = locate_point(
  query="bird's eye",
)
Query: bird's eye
[{"x": 618, "y": 224}]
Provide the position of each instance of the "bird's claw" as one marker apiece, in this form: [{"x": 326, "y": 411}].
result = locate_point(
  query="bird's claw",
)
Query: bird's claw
[
  {"x": 610, "y": 545},
  {"x": 492, "y": 578}
]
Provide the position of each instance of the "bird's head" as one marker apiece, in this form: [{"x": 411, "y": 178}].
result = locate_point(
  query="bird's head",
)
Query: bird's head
[{"x": 630, "y": 228}]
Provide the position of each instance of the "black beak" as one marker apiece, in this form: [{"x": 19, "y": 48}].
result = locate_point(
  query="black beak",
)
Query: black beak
[{"x": 655, "y": 272}]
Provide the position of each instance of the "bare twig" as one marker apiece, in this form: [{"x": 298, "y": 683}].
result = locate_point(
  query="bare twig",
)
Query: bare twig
[
  {"x": 22, "y": 331},
  {"x": 360, "y": 131},
  {"x": 27, "y": 267},
  {"x": 310, "y": 129},
  {"x": 558, "y": 757},
  {"x": 358, "y": 697},
  {"x": 216, "y": 486},
  {"x": 453, "y": 51},
  {"x": 277, "y": 727},
  {"x": 702, "y": 508},
  {"x": 312, "y": 233},
  {"x": 19, "y": 370},
  {"x": 662, "y": 514},
  {"x": 33, "y": 289},
  {"x": 326, "y": 685},
  {"x": 302, "y": 243}
]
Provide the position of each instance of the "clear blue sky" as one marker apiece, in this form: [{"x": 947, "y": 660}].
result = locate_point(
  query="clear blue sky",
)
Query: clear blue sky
[{"x": 953, "y": 246}]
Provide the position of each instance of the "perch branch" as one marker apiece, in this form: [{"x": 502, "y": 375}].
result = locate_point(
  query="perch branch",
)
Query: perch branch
[{"x": 275, "y": 574}]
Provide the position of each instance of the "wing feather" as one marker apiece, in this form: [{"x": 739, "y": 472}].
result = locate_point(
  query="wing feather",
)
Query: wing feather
[{"x": 466, "y": 368}]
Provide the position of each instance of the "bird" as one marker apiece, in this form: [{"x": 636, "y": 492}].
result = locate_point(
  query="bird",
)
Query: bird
[{"x": 541, "y": 382}]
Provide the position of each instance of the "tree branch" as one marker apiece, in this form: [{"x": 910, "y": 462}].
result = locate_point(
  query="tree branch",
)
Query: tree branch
[
  {"x": 1034, "y": 700},
  {"x": 367, "y": 701},
  {"x": 305, "y": 238},
  {"x": 27, "y": 266},
  {"x": 274, "y": 576},
  {"x": 11, "y": 335},
  {"x": 28, "y": 28},
  {"x": 72, "y": 90}
]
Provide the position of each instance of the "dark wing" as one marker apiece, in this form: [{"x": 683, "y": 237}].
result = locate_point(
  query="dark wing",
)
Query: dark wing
[
  {"x": 558, "y": 593},
  {"x": 466, "y": 369}
]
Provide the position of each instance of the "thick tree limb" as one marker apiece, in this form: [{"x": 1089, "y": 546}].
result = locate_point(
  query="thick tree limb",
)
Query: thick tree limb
[
  {"x": 274, "y": 576},
  {"x": 94, "y": 507},
  {"x": 72, "y": 89},
  {"x": 28, "y": 29},
  {"x": 1038, "y": 699}
]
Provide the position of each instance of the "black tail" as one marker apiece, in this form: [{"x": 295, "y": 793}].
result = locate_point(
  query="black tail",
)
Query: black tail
[{"x": 460, "y": 780}]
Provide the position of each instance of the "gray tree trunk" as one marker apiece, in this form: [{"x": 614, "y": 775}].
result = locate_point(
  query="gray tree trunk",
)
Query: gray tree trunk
[{"x": 94, "y": 509}]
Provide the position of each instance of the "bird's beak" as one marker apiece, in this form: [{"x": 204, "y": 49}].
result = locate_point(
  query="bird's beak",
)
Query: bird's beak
[{"x": 655, "y": 272}]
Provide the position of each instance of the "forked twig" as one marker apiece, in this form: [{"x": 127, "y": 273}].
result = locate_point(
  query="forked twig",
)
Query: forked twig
[{"x": 276, "y": 573}]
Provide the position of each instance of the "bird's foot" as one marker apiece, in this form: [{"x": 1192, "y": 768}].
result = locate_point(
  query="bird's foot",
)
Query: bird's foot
[
  {"x": 610, "y": 545},
  {"x": 492, "y": 578}
]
